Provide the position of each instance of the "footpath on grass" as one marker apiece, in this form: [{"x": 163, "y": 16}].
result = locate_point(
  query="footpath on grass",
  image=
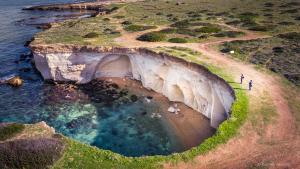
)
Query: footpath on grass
[{"x": 268, "y": 144}]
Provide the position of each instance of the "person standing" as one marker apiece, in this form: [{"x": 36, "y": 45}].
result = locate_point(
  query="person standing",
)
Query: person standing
[
  {"x": 250, "y": 84},
  {"x": 242, "y": 78}
]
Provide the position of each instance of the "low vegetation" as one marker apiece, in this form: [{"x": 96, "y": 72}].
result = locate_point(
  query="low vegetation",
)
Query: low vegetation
[
  {"x": 178, "y": 40},
  {"x": 88, "y": 31},
  {"x": 230, "y": 34},
  {"x": 10, "y": 130},
  {"x": 207, "y": 29},
  {"x": 279, "y": 54},
  {"x": 30, "y": 153},
  {"x": 152, "y": 37},
  {"x": 91, "y": 35},
  {"x": 189, "y": 20},
  {"x": 136, "y": 28}
]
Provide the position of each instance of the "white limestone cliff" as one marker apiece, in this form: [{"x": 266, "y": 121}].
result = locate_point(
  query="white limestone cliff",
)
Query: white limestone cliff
[{"x": 175, "y": 78}]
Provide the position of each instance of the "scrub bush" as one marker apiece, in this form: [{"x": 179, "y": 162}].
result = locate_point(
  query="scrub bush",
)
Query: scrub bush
[
  {"x": 136, "y": 28},
  {"x": 33, "y": 154},
  {"x": 178, "y": 40},
  {"x": 91, "y": 35},
  {"x": 10, "y": 130},
  {"x": 208, "y": 29},
  {"x": 152, "y": 37},
  {"x": 231, "y": 34}
]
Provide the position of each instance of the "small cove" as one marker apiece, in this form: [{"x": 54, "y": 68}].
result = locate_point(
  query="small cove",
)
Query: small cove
[{"x": 123, "y": 119}]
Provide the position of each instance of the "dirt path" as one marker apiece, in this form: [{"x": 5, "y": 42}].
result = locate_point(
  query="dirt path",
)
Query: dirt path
[{"x": 278, "y": 147}]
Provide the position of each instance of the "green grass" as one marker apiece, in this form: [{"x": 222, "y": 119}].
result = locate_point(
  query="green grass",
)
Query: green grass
[
  {"x": 10, "y": 131},
  {"x": 30, "y": 153},
  {"x": 291, "y": 94},
  {"x": 265, "y": 113},
  {"x": 207, "y": 29},
  {"x": 89, "y": 31},
  {"x": 79, "y": 155},
  {"x": 137, "y": 28},
  {"x": 152, "y": 37},
  {"x": 178, "y": 40}
]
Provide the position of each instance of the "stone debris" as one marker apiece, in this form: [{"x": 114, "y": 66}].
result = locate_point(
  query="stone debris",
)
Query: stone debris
[
  {"x": 148, "y": 100},
  {"x": 174, "y": 109},
  {"x": 68, "y": 96},
  {"x": 155, "y": 115}
]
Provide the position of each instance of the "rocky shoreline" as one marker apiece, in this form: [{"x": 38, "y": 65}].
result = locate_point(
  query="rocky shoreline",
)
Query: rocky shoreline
[{"x": 94, "y": 6}]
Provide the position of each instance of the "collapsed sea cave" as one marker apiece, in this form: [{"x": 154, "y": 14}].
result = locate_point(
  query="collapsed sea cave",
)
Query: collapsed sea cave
[{"x": 133, "y": 101}]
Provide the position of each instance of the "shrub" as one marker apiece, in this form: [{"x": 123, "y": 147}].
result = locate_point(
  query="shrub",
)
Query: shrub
[
  {"x": 106, "y": 19},
  {"x": 290, "y": 11},
  {"x": 91, "y": 35},
  {"x": 231, "y": 34},
  {"x": 10, "y": 130},
  {"x": 225, "y": 50},
  {"x": 259, "y": 28},
  {"x": 185, "y": 31},
  {"x": 152, "y": 37},
  {"x": 248, "y": 18},
  {"x": 181, "y": 24},
  {"x": 126, "y": 23},
  {"x": 268, "y": 4},
  {"x": 178, "y": 40},
  {"x": 208, "y": 29},
  {"x": 34, "y": 154},
  {"x": 136, "y": 28},
  {"x": 278, "y": 49},
  {"x": 203, "y": 36},
  {"x": 168, "y": 31},
  {"x": 286, "y": 23},
  {"x": 290, "y": 36},
  {"x": 235, "y": 22},
  {"x": 119, "y": 17},
  {"x": 114, "y": 8},
  {"x": 201, "y": 24}
]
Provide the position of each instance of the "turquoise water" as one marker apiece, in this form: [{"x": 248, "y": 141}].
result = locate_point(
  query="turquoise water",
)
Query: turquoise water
[
  {"x": 100, "y": 114},
  {"x": 104, "y": 115}
]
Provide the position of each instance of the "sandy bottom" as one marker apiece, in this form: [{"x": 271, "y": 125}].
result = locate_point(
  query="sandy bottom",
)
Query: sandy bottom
[{"x": 189, "y": 126}]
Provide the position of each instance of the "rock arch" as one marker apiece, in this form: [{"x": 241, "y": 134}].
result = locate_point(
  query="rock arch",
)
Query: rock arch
[
  {"x": 176, "y": 94},
  {"x": 114, "y": 66}
]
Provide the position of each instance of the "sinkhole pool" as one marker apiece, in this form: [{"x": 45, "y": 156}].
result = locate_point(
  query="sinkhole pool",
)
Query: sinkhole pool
[
  {"x": 117, "y": 115},
  {"x": 120, "y": 115}
]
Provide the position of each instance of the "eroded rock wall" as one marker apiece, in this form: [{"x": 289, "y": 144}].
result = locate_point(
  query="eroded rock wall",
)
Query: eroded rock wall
[{"x": 177, "y": 79}]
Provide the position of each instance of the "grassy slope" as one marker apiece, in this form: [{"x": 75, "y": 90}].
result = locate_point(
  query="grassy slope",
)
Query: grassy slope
[{"x": 78, "y": 155}]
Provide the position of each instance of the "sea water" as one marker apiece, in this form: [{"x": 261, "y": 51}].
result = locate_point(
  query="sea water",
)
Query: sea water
[{"x": 112, "y": 118}]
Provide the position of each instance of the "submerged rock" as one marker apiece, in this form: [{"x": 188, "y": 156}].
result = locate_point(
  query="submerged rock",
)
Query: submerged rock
[{"x": 133, "y": 98}]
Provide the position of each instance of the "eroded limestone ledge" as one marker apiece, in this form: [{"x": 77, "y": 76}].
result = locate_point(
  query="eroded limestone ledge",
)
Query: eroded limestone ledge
[{"x": 177, "y": 79}]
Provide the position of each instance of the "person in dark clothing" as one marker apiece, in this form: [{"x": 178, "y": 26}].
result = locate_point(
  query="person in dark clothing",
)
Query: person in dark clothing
[
  {"x": 242, "y": 78},
  {"x": 250, "y": 84}
]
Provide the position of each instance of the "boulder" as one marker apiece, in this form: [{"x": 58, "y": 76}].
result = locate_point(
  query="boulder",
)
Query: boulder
[{"x": 15, "y": 81}]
